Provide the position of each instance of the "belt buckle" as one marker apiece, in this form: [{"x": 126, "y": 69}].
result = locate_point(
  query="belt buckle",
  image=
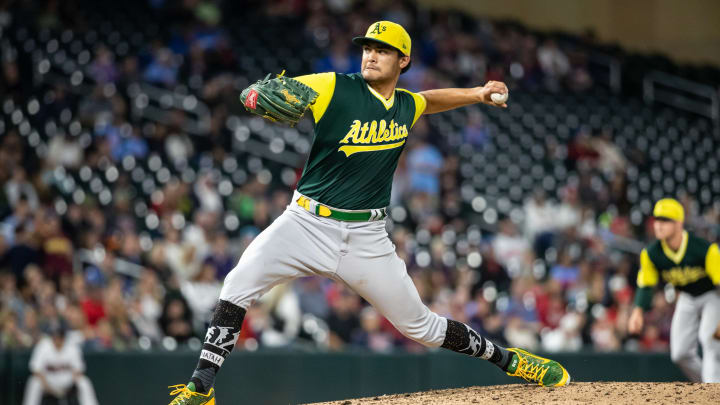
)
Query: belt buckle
[{"x": 323, "y": 211}]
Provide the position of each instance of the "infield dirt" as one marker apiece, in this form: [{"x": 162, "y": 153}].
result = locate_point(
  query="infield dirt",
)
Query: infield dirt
[{"x": 615, "y": 393}]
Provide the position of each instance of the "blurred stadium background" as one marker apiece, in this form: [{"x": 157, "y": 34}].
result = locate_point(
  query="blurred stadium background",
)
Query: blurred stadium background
[{"x": 132, "y": 180}]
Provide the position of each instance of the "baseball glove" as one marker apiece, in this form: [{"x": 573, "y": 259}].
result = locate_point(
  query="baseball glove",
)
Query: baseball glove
[{"x": 281, "y": 99}]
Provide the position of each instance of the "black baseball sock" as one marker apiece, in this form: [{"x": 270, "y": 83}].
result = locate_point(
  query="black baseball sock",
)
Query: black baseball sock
[
  {"x": 219, "y": 342},
  {"x": 462, "y": 339}
]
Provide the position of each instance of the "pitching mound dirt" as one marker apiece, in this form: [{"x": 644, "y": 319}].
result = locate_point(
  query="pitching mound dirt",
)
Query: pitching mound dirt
[{"x": 615, "y": 393}]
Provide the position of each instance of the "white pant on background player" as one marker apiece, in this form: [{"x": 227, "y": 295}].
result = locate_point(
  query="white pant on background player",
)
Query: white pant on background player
[
  {"x": 59, "y": 367},
  {"x": 695, "y": 319},
  {"x": 34, "y": 391},
  {"x": 359, "y": 254}
]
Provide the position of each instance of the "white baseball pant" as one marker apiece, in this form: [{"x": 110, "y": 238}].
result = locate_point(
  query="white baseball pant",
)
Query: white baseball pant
[
  {"x": 695, "y": 319},
  {"x": 34, "y": 391},
  {"x": 359, "y": 254}
]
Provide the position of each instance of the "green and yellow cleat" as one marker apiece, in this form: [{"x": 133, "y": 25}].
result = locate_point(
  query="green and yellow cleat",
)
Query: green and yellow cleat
[
  {"x": 186, "y": 395},
  {"x": 545, "y": 372}
]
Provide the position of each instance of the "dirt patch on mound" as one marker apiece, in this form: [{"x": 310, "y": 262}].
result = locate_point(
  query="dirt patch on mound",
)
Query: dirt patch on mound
[{"x": 615, "y": 393}]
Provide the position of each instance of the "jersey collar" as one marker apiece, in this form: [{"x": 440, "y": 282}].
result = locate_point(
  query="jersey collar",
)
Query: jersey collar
[
  {"x": 676, "y": 256},
  {"x": 387, "y": 103}
]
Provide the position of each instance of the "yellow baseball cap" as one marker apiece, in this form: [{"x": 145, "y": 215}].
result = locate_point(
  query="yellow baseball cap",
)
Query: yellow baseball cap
[
  {"x": 388, "y": 33},
  {"x": 669, "y": 208}
]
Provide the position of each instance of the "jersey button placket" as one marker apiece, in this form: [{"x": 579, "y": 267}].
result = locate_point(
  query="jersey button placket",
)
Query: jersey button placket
[{"x": 345, "y": 235}]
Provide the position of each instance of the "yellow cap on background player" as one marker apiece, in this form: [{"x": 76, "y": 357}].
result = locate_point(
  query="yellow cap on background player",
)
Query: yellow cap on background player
[
  {"x": 388, "y": 33},
  {"x": 669, "y": 208}
]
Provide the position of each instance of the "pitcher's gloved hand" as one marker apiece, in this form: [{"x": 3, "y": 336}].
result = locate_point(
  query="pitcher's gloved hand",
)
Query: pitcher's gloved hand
[{"x": 281, "y": 99}]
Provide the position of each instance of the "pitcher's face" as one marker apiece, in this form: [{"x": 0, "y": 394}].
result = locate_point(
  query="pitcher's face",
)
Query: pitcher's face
[{"x": 381, "y": 63}]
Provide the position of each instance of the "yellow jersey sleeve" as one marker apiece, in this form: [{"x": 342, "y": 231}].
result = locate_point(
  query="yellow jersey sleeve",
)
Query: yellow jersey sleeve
[
  {"x": 324, "y": 85},
  {"x": 712, "y": 263},
  {"x": 420, "y": 104},
  {"x": 648, "y": 274}
]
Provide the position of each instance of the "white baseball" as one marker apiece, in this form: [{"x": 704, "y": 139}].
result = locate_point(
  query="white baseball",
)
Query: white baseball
[{"x": 499, "y": 98}]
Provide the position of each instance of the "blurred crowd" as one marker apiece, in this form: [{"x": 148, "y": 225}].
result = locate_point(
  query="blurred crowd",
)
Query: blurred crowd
[{"x": 130, "y": 272}]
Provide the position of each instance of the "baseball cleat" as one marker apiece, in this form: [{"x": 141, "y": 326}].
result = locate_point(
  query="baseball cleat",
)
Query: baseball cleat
[
  {"x": 188, "y": 396},
  {"x": 545, "y": 372}
]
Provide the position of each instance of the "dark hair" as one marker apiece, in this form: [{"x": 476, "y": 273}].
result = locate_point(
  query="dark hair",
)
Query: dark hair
[
  {"x": 400, "y": 55},
  {"x": 56, "y": 327}
]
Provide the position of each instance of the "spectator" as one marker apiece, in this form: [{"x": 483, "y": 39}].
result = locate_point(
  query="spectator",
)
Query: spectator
[
  {"x": 476, "y": 132},
  {"x": 97, "y": 108},
  {"x": 311, "y": 296},
  {"x": 424, "y": 165},
  {"x": 20, "y": 218},
  {"x": 162, "y": 69},
  {"x": 129, "y": 71},
  {"x": 22, "y": 253},
  {"x": 343, "y": 320},
  {"x": 92, "y": 304},
  {"x": 18, "y": 187},
  {"x": 13, "y": 335},
  {"x": 178, "y": 146},
  {"x": 568, "y": 214},
  {"x": 146, "y": 308},
  {"x": 202, "y": 293},
  {"x": 370, "y": 335},
  {"x": 565, "y": 338},
  {"x": 564, "y": 271},
  {"x": 284, "y": 319},
  {"x": 57, "y": 249},
  {"x": 540, "y": 222},
  {"x": 510, "y": 249},
  {"x": 339, "y": 59},
  {"x": 581, "y": 150},
  {"x": 603, "y": 335},
  {"x": 220, "y": 256},
  {"x": 176, "y": 319},
  {"x": 580, "y": 79},
  {"x": 128, "y": 142},
  {"x": 554, "y": 64},
  {"x": 196, "y": 240},
  {"x": 64, "y": 151},
  {"x": 490, "y": 273},
  {"x": 103, "y": 69},
  {"x": 610, "y": 160},
  {"x": 206, "y": 193}
]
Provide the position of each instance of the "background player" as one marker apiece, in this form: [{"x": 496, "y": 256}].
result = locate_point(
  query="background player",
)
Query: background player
[
  {"x": 58, "y": 370},
  {"x": 692, "y": 266},
  {"x": 335, "y": 225}
]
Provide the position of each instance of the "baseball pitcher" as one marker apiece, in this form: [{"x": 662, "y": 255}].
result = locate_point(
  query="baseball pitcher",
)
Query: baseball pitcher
[
  {"x": 692, "y": 266},
  {"x": 335, "y": 223}
]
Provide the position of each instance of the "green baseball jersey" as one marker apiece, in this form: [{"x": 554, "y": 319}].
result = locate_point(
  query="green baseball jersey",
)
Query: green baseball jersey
[
  {"x": 359, "y": 136},
  {"x": 694, "y": 268}
]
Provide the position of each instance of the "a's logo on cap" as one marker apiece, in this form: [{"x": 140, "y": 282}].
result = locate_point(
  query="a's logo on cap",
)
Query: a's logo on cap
[
  {"x": 251, "y": 100},
  {"x": 378, "y": 29}
]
